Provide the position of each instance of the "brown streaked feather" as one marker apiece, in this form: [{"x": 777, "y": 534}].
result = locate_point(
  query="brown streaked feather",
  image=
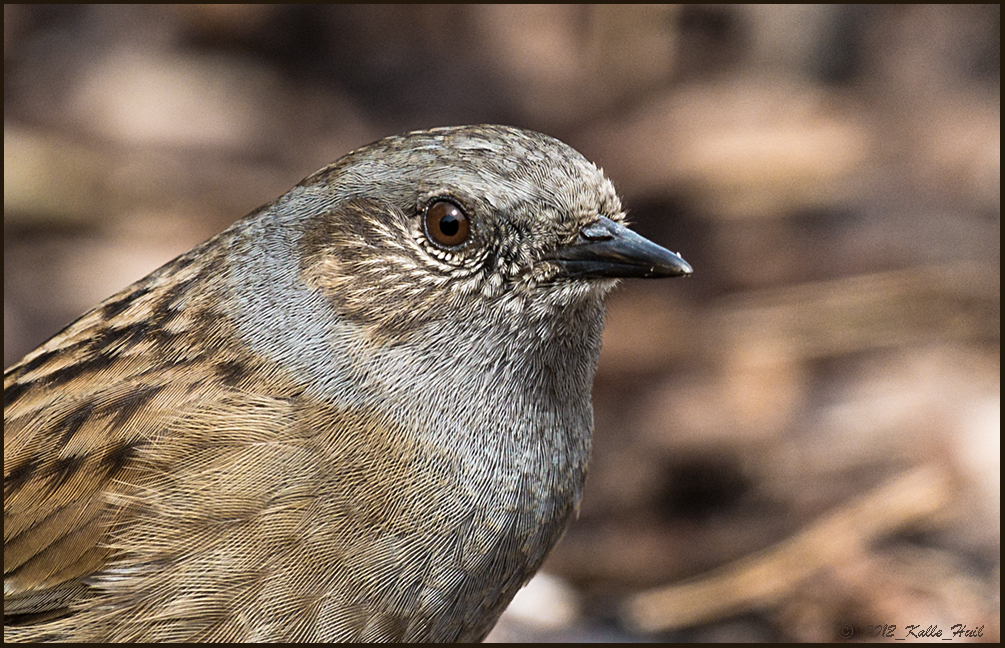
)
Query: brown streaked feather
[
  {"x": 206, "y": 530},
  {"x": 76, "y": 412},
  {"x": 181, "y": 501}
]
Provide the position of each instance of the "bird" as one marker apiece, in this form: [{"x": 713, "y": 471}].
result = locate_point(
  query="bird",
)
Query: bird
[{"x": 362, "y": 412}]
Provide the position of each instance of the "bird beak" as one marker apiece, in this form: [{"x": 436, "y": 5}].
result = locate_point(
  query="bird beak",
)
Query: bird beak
[{"x": 607, "y": 249}]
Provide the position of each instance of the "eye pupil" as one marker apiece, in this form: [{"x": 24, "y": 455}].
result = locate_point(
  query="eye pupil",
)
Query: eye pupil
[
  {"x": 446, "y": 224},
  {"x": 449, "y": 225}
]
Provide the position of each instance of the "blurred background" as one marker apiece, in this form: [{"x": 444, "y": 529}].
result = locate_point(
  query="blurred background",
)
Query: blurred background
[{"x": 800, "y": 442}]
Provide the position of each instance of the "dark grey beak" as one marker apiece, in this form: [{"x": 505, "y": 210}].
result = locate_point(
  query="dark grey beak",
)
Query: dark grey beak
[{"x": 606, "y": 249}]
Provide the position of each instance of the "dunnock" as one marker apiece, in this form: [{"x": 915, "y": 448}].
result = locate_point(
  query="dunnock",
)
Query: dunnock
[{"x": 360, "y": 413}]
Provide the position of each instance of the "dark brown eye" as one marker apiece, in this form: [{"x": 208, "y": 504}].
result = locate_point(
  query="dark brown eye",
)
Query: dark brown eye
[{"x": 446, "y": 224}]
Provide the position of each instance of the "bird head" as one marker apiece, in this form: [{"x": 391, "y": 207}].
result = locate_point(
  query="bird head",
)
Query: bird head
[{"x": 466, "y": 219}]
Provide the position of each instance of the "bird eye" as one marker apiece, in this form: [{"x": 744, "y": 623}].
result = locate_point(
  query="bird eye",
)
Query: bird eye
[{"x": 446, "y": 224}]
